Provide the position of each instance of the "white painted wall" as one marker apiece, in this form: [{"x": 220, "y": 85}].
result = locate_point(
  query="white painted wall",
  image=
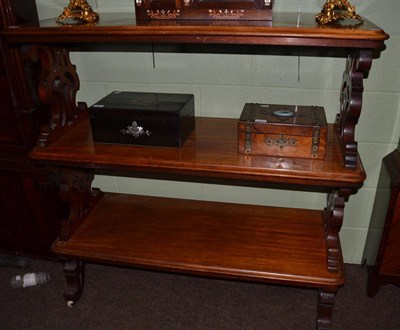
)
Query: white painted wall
[{"x": 221, "y": 91}]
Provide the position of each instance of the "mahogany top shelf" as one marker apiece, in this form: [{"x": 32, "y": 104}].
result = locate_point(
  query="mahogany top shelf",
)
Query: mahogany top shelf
[
  {"x": 286, "y": 29},
  {"x": 211, "y": 151}
]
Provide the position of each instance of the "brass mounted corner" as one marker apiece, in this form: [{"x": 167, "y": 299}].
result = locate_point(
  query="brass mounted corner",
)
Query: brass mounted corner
[
  {"x": 334, "y": 10},
  {"x": 78, "y": 12}
]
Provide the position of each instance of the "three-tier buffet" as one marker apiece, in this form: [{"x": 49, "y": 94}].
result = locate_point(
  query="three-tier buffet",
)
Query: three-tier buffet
[{"x": 275, "y": 245}]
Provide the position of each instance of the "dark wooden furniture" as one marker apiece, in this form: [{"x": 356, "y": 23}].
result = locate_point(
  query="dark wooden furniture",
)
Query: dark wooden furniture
[
  {"x": 29, "y": 205},
  {"x": 273, "y": 245},
  {"x": 385, "y": 220},
  {"x": 204, "y": 10}
]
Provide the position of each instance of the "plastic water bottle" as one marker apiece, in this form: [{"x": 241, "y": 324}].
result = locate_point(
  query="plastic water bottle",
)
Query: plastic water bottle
[{"x": 29, "y": 279}]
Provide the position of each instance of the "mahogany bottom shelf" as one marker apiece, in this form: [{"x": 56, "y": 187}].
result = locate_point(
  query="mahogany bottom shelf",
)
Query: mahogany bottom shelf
[{"x": 248, "y": 242}]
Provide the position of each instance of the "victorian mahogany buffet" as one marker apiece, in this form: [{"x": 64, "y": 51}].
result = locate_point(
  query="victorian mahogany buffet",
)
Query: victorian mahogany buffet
[{"x": 256, "y": 243}]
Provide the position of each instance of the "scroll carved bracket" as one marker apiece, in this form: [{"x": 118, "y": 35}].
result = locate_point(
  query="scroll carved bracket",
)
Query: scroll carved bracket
[
  {"x": 351, "y": 96},
  {"x": 333, "y": 220},
  {"x": 57, "y": 88},
  {"x": 75, "y": 188}
]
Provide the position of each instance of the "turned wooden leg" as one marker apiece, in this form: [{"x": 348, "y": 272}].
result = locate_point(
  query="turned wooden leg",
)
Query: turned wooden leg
[
  {"x": 74, "y": 271},
  {"x": 326, "y": 303}
]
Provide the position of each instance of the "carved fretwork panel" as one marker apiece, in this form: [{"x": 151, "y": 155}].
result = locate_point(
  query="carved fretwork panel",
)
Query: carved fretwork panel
[
  {"x": 333, "y": 216},
  {"x": 75, "y": 188},
  {"x": 57, "y": 89},
  {"x": 357, "y": 66}
]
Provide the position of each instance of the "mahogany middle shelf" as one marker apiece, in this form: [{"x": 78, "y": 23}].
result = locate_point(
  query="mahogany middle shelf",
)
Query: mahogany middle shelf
[{"x": 210, "y": 151}]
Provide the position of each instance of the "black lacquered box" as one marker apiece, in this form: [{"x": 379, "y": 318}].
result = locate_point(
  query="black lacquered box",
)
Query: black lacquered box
[{"x": 150, "y": 119}]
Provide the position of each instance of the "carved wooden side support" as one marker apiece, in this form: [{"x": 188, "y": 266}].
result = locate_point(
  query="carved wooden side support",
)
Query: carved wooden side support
[
  {"x": 75, "y": 189},
  {"x": 74, "y": 271},
  {"x": 333, "y": 217},
  {"x": 357, "y": 66},
  {"x": 326, "y": 304},
  {"x": 57, "y": 89}
]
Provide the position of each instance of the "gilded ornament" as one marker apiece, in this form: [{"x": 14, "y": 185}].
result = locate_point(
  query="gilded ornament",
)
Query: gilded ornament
[
  {"x": 78, "y": 12},
  {"x": 334, "y": 10}
]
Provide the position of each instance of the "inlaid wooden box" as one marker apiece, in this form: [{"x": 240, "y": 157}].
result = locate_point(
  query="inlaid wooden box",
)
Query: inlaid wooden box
[
  {"x": 204, "y": 9},
  {"x": 283, "y": 130},
  {"x": 150, "y": 119}
]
